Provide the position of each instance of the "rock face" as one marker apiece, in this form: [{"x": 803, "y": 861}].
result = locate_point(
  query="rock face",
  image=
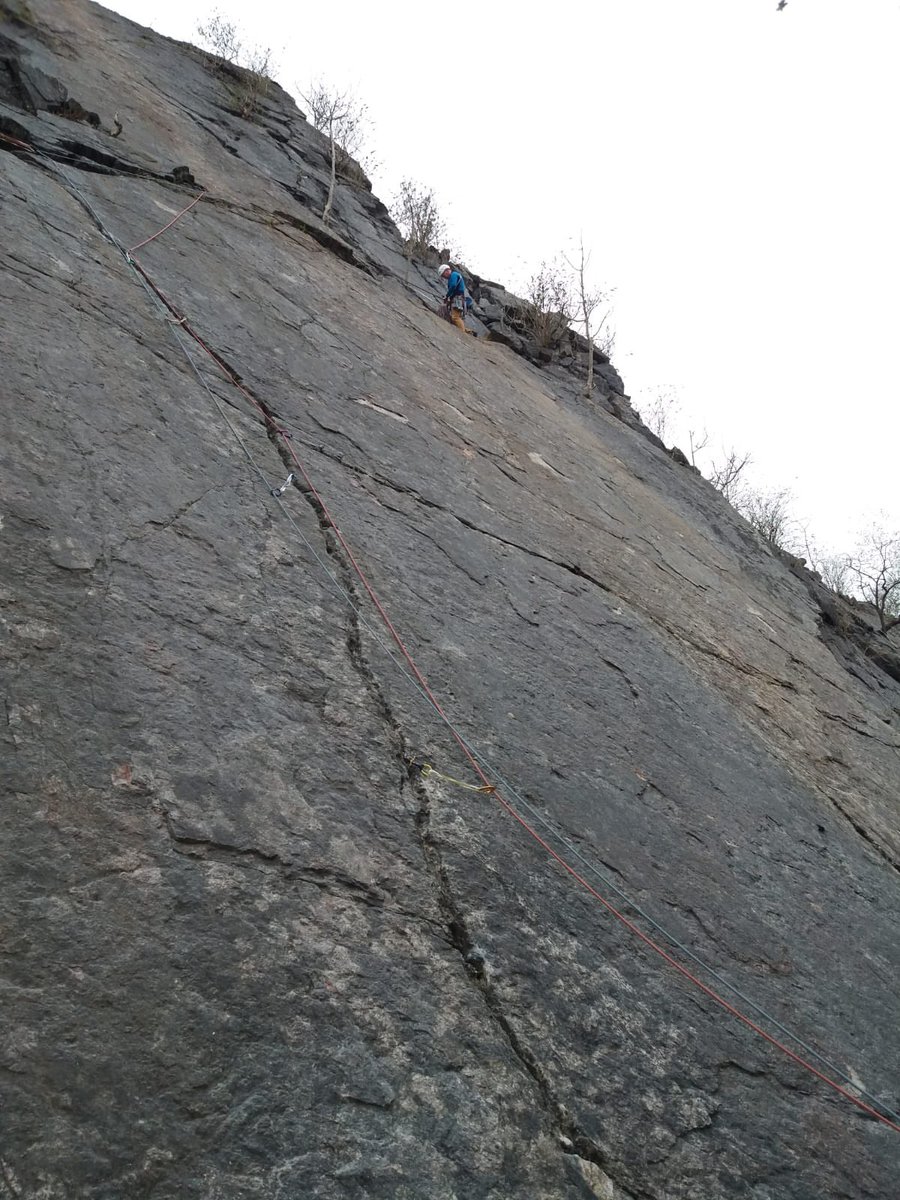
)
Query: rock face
[{"x": 247, "y": 949}]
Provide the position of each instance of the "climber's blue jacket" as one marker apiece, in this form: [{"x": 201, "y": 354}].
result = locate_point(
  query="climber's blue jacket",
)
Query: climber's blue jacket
[
  {"x": 456, "y": 290},
  {"x": 456, "y": 285}
]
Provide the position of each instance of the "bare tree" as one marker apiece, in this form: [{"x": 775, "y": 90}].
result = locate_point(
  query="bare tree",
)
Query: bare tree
[
  {"x": 250, "y": 82},
  {"x": 339, "y": 115},
  {"x": 660, "y": 412},
  {"x": 586, "y": 302},
  {"x": 329, "y": 112},
  {"x": 344, "y": 121},
  {"x": 254, "y": 87},
  {"x": 726, "y": 476},
  {"x": 831, "y": 568},
  {"x": 549, "y": 305},
  {"x": 698, "y": 442},
  {"x": 220, "y": 35},
  {"x": 769, "y": 514},
  {"x": 835, "y": 572},
  {"x": 875, "y": 572},
  {"x": 415, "y": 211}
]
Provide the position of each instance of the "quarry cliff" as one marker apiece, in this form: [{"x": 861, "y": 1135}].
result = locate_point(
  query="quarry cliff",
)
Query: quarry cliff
[{"x": 275, "y": 540}]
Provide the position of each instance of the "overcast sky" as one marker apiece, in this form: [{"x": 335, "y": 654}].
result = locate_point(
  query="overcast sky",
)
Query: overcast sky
[{"x": 733, "y": 170}]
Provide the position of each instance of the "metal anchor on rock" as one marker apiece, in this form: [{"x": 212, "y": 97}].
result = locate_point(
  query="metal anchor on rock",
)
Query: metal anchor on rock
[{"x": 278, "y": 492}]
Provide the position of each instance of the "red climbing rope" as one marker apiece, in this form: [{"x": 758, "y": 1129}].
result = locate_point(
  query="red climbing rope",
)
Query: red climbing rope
[
  {"x": 645, "y": 938},
  {"x": 17, "y": 142},
  {"x": 177, "y": 217},
  {"x": 672, "y": 961},
  {"x": 274, "y": 428}
]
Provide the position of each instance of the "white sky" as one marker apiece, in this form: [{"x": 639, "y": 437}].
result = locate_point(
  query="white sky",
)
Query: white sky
[{"x": 734, "y": 171}]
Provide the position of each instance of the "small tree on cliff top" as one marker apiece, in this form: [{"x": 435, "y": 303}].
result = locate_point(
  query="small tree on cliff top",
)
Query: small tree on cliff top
[
  {"x": 338, "y": 116},
  {"x": 587, "y": 300},
  {"x": 344, "y": 121},
  {"x": 220, "y": 35},
  {"x": 254, "y": 63},
  {"x": 415, "y": 212},
  {"x": 875, "y": 571},
  {"x": 769, "y": 513},
  {"x": 726, "y": 475},
  {"x": 550, "y": 304}
]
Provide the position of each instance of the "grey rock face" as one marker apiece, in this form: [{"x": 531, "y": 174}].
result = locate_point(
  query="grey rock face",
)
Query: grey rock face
[{"x": 247, "y": 950}]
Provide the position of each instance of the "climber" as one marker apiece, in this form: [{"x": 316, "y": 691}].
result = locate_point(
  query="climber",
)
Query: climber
[{"x": 457, "y": 300}]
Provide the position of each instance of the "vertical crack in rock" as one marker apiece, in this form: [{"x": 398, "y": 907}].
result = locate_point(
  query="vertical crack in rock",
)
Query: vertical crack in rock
[
  {"x": 573, "y": 1139},
  {"x": 571, "y": 1136}
]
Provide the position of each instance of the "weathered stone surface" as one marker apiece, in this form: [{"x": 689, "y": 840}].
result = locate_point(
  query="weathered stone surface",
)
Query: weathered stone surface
[
  {"x": 245, "y": 952},
  {"x": 506, "y": 337}
]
